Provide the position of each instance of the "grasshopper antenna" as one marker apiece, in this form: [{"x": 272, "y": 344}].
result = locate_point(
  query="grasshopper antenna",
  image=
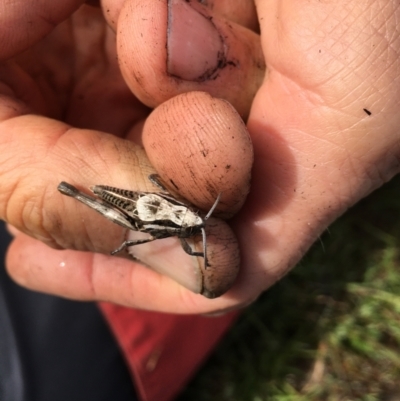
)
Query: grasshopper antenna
[
  {"x": 203, "y": 231},
  {"x": 213, "y": 206}
]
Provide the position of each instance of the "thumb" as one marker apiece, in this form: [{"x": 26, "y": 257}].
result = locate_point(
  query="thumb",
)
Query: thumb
[{"x": 184, "y": 46}]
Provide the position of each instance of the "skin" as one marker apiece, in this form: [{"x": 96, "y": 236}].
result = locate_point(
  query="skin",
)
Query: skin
[{"x": 316, "y": 151}]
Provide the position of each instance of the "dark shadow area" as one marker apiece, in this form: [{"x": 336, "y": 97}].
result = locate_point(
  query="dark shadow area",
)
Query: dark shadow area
[{"x": 53, "y": 349}]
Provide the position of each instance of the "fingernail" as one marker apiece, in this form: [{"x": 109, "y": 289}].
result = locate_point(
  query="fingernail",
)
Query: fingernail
[{"x": 195, "y": 48}]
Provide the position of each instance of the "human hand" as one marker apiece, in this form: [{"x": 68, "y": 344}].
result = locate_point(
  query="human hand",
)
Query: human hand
[
  {"x": 91, "y": 93},
  {"x": 316, "y": 151}
]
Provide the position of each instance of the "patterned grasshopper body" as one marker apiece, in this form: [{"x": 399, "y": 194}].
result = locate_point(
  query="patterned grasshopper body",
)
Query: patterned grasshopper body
[{"x": 156, "y": 213}]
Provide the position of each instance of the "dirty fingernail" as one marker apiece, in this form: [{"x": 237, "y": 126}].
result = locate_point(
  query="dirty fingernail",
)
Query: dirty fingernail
[{"x": 195, "y": 47}]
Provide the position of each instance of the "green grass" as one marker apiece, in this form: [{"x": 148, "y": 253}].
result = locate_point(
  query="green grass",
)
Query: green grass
[{"x": 330, "y": 330}]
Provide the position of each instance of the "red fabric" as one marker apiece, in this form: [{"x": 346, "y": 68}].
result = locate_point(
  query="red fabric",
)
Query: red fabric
[{"x": 163, "y": 351}]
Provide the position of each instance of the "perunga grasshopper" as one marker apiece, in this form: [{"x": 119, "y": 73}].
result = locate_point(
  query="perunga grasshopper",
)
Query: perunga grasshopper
[{"x": 157, "y": 213}]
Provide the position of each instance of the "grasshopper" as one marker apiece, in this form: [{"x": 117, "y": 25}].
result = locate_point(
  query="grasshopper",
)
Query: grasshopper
[{"x": 157, "y": 213}]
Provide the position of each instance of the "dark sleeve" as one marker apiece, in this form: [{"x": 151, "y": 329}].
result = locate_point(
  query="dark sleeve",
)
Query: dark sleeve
[{"x": 56, "y": 349}]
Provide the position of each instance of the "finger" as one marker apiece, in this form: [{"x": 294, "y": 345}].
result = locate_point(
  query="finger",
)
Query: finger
[
  {"x": 182, "y": 47},
  {"x": 88, "y": 276},
  {"x": 24, "y": 23},
  {"x": 205, "y": 143},
  {"x": 92, "y": 276},
  {"x": 95, "y": 97}
]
